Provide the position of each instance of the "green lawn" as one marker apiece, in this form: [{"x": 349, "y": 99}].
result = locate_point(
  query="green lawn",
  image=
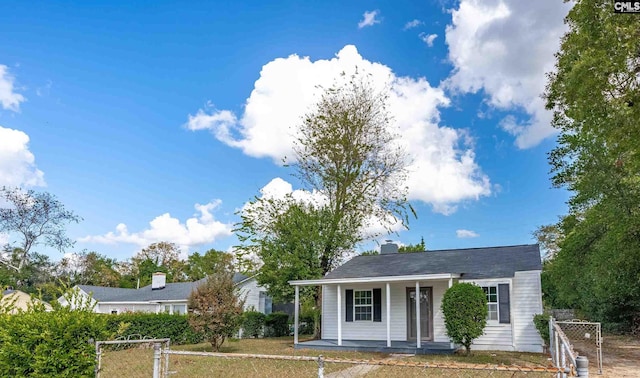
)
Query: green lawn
[{"x": 139, "y": 362}]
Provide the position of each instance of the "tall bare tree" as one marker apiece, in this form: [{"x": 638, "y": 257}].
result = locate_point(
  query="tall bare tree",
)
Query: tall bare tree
[{"x": 37, "y": 219}]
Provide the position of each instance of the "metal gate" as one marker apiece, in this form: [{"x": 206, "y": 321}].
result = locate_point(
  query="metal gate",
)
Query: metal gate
[{"x": 586, "y": 338}]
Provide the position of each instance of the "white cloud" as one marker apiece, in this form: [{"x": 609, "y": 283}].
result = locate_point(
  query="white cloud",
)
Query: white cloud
[
  {"x": 412, "y": 24},
  {"x": 465, "y": 234},
  {"x": 9, "y": 99},
  {"x": 443, "y": 171},
  {"x": 17, "y": 163},
  {"x": 369, "y": 19},
  {"x": 428, "y": 38},
  {"x": 198, "y": 230},
  {"x": 504, "y": 48}
]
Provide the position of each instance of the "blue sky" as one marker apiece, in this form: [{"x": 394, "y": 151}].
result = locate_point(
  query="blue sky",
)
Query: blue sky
[{"x": 158, "y": 121}]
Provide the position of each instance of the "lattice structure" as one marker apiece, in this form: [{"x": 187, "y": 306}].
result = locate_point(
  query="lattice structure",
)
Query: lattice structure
[{"x": 586, "y": 338}]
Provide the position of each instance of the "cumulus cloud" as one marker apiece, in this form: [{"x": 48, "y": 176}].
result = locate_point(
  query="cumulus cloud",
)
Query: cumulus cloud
[
  {"x": 443, "y": 170},
  {"x": 9, "y": 99},
  {"x": 504, "y": 48},
  {"x": 466, "y": 234},
  {"x": 201, "y": 229},
  {"x": 412, "y": 24},
  {"x": 17, "y": 163},
  {"x": 428, "y": 38},
  {"x": 369, "y": 19}
]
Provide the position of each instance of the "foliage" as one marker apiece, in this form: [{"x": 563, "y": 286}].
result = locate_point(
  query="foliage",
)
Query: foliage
[
  {"x": 410, "y": 248},
  {"x": 595, "y": 96},
  {"x": 277, "y": 324},
  {"x": 346, "y": 155},
  {"x": 215, "y": 308},
  {"x": 175, "y": 327},
  {"x": 253, "y": 323},
  {"x": 549, "y": 237},
  {"x": 89, "y": 268},
  {"x": 199, "y": 266},
  {"x": 57, "y": 343},
  {"x": 290, "y": 247},
  {"x": 36, "y": 218},
  {"x": 310, "y": 314},
  {"x": 541, "y": 321},
  {"x": 464, "y": 307}
]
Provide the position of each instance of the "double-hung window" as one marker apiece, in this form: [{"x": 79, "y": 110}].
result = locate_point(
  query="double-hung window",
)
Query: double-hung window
[
  {"x": 492, "y": 302},
  {"x": 363, "y": 304}
]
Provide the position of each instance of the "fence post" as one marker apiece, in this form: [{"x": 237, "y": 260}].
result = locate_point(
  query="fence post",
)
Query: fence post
[
  {"x": 582, "y": 366},
  {"x": 167, "y": 348},
  {"x": 98, "y": 359},
  {"x": 320, "y": 366},
  {"x": 550, "y": 341},
  {"x": 156, "y": 360}
]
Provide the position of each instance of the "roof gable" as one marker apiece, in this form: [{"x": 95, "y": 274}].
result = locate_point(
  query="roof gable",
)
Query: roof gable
[{"x": 492, "y": 262}]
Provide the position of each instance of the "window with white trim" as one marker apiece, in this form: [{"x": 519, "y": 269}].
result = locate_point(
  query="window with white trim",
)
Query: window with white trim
[
  {"x": 363, "y": 304},
  {"x": 492, "y": 302}
]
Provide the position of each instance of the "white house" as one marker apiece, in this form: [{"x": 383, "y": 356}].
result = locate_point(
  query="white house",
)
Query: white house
[
  {"x": 369, "y": 303},
  {"x": 164, "y": 297}
]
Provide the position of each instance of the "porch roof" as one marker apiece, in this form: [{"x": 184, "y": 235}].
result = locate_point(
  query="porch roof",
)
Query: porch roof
[{"x": 410, "y": 278}]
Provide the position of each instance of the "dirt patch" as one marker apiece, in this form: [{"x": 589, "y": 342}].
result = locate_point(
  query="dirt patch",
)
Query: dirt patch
[{"x": 620, "y": 357}]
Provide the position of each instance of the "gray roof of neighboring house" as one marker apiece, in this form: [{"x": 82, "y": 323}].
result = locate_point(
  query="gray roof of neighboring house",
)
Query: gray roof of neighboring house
[
  {"x": 171, "y": 291},
  {"x": 474, "y": 263}
]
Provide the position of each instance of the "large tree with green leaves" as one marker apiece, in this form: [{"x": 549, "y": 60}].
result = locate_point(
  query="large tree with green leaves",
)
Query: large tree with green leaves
[
  {"x": 347, "y": 156},
  {"x": 34, "y": 218},
  {"x": 595, "y": 95}
]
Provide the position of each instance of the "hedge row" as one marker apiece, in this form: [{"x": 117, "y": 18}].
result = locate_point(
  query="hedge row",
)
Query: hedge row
[
  {"x": 50, "y": 344},
  {"x": 157, "y": 326}
]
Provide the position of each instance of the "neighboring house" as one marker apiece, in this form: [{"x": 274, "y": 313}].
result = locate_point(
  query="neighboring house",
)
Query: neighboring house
[
  {"x": 164, "y": 297},
  {"x": 19, "y": 300},
  {"x": 369, "y": 302}
]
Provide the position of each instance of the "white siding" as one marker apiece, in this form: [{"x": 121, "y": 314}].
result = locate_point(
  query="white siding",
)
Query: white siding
[
  {"x": 439, "y": 330},
  {"x": 250, "y": 290},
  {"x": 106, "y": 308},
  {"x": 369, "y": 330},
  {"x": 497, "y": 336},
  {"x": 525, "y": 303}
]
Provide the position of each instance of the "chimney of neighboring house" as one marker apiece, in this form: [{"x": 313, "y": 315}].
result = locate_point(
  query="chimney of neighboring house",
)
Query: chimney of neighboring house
[
  {"x": 388, "y": 247},
  {"x": 158, "y": 281}
]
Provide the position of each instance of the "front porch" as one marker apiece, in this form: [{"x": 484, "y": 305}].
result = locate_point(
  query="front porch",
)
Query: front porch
[{"x": 409, "y": 347}]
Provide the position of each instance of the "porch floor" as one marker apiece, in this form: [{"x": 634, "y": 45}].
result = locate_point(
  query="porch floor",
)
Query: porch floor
[{"x": 380, "y": 346}]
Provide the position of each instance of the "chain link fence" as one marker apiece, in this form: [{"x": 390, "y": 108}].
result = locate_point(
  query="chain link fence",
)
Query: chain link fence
[
  {"x": 204, "y": 364},
  {"x": 132, "y": 356},
  {"x": 586, "y": 338}
]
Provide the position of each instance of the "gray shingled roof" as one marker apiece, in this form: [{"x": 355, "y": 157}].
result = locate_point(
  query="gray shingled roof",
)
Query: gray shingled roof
[
  {"x": 171, "y": 291},
  {"x": 489, "y": 262}
]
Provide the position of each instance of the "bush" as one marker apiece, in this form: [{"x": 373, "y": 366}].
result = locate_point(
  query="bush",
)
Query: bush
[
  {"x": 541, "y": 321},
  {"x": 464, "y": 307},
  {"x": 215, "y": 309},
  {"x": 50, "y": 344},
  {"x": 277, "y": 324},
  {"x": 157, "y": 326},
  {"x": 253, "y": 323}
]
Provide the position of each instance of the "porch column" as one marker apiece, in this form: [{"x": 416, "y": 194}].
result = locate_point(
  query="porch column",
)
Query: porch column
[
  {"x": 388, "y": 316},
  {"x": 339, "y": 315},
  {"x": 418, "y": 336},
  {"x": 451, "y": 284},
  {"x": 296, "y": 314}
]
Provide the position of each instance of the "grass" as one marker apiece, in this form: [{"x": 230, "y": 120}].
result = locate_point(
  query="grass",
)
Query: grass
[{"x": 139, "y": 362}]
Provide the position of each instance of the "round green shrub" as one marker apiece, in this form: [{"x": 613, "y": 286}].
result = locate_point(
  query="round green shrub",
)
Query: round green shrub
[{"x": 464, "y": 307}]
